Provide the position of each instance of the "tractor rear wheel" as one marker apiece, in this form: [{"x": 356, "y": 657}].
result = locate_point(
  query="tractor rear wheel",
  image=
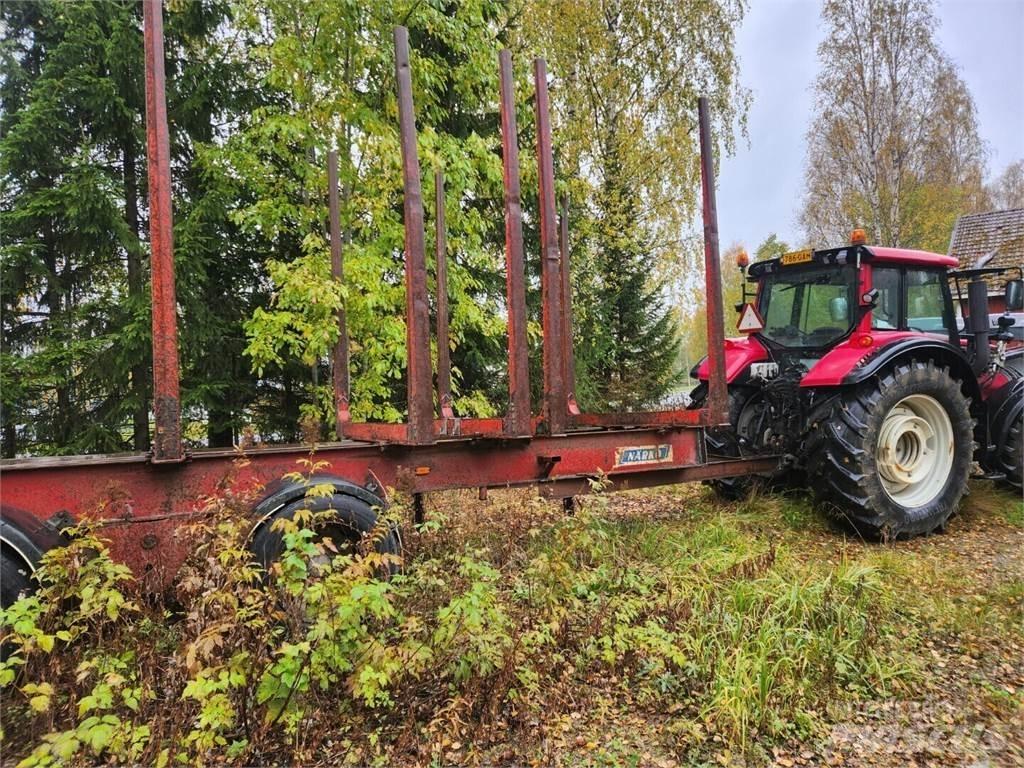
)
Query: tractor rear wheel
[{"x": 894, "y": 455}]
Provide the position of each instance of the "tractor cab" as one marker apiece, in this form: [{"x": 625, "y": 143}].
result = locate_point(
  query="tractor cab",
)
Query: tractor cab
[
  {"x": 825, "y": 313},
  {"x": 815, "y": 303}
]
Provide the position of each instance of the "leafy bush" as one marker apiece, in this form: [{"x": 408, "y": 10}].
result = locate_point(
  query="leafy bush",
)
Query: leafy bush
[{"x": 486, "y": 626}]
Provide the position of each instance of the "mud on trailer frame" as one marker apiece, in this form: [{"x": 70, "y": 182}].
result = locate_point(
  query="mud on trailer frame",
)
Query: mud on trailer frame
[{"x": 141, "y": 499}]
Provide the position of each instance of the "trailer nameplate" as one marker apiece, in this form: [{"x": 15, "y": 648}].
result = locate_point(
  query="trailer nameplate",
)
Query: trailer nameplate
[{"x": 628, "y": 456}]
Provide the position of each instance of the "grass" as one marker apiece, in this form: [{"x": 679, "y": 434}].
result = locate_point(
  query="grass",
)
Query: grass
[{"x": 657, "y": 627}]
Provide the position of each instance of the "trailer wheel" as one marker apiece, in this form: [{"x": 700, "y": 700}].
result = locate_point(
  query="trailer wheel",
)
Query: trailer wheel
[
  {"x": 894, "y": 455},
  {"x": 15, "y": 577},
  {"x": 351, "y": 520}
]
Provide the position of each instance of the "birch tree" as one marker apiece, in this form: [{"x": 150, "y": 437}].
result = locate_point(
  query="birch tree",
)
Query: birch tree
[
  {"x": 893, "y": 142},
  {"x": 1007, "y": 191}
]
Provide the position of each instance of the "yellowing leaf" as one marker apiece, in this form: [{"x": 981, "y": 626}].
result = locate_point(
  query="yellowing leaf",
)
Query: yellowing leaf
[{"x": 39, "y": 703}]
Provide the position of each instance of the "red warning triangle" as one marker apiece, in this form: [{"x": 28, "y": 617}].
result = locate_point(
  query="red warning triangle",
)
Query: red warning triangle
[{"x": 750, "y": 321}]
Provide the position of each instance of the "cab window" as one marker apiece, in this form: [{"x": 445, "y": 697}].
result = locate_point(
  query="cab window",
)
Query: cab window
[
  {"x": 886, "y": 314},
  {"x": 910, "y": 299},
  {"x": 926, "y": 305},
  {"x": 780, "y": 310},
  {"x": 808, "y": 306}
]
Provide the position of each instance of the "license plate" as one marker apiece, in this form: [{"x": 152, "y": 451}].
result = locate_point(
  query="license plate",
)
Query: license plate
[
  {"x": 797, "y": 257},
  {"x": 764, "y": 370}
]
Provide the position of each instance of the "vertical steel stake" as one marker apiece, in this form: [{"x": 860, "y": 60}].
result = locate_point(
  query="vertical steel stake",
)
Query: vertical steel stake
[
  {"x": 417, "y": 311},
  {"x": 444, "y": 363},
  {"x": 568, "y": 354},
  {"x": 167, "y": 445},
  {"x": 518, "y": 421},
  {"x": 718, "y": 396},
  {"x": 554, "y": 379},
  {"x": 339, "y": 357}
]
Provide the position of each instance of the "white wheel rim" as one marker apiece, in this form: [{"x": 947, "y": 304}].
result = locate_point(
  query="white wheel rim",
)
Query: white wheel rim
[{"x": 915, "y": 450}]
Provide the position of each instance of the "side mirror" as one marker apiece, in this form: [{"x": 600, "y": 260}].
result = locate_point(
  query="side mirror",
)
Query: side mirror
[
  {"x": 838, "y": 309},
  {"x": 870, "y": 298},
  {"x": 1014, "y": 295}
]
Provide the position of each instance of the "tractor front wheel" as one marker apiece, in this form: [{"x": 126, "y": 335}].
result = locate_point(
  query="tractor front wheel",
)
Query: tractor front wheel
[
  {"x": 894, "y": 455},
  {"x": 1012, "y": 456},
  {"x": 724, "y": 442}
]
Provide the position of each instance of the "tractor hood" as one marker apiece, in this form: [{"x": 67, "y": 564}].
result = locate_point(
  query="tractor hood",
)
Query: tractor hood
[{"x": 830, "y": 370}]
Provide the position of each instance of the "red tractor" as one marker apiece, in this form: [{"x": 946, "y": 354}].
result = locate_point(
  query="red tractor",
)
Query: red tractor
[{"x": 853, "y": 370}]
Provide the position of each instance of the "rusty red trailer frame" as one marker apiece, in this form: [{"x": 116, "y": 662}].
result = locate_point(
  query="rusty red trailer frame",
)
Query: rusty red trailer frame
[{"x": 141, "y": 500}]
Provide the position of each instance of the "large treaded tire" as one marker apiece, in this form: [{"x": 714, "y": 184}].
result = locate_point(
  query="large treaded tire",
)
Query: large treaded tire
[
  {"x": 15, "y": 582},
  {"x": 347, "y": 521},
  {"x": 1012, "y": 455},
  {"x": 15, "y": 578},
  {"x": 722, "y": 441},
  {"x": 842, "y": 452}
]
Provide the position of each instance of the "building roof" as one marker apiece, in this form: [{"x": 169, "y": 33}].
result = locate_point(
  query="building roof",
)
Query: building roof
[{"x": 999, "y": 234}]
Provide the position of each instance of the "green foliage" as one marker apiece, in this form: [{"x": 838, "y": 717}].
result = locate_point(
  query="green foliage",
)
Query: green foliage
[
  {"x": 258, "y": 93},
  {"x": 81, "y": 601},
  {"x": 629, "y": 339},
  {"x": 76, "y": 326},
  {"x": 770, "y": 248},
  {"x": 627, "y": 77},
  {"x": 330, "y": 68},
  {"x": 766, "y": 642},
  {"x": 252, "y": 665}
]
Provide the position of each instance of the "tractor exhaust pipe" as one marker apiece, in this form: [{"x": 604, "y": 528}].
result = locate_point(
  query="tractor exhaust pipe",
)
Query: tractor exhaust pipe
[{"x": 977, "y": 324}]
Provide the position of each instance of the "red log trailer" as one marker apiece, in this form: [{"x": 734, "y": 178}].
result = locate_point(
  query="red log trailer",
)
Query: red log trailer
[
  {"x": 802, "y": 395},
  {"x": 140, "y": 500}
]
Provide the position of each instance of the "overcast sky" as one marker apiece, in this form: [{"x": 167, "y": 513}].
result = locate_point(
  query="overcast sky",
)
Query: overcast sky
[{"x": 759, "y": 188}]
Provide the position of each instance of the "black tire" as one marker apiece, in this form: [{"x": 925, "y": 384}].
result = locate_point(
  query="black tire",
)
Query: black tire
[
  {"x": 350, "y": 521},
  {"x": 15, "y": 578},
  {"x": 723, "y": 442},
  {"x": 844, "y": 469},
  {"x": 15, "y": 581},
  {"x": 1012, "y": 455}
]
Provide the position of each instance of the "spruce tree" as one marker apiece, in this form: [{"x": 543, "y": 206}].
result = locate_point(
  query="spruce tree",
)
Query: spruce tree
[
  {"x": 629, "y": 346},
  {"x": 65, "y": 383},
  {"x": 76, "y": 317}
]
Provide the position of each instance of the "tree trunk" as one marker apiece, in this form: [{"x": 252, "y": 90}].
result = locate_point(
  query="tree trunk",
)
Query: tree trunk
[
  {"x": 219, "y": 432},
  {"x": 139, "y": 371},
  {"x": 63, "y": 417},
  {"x": 10, "y": 439}
]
